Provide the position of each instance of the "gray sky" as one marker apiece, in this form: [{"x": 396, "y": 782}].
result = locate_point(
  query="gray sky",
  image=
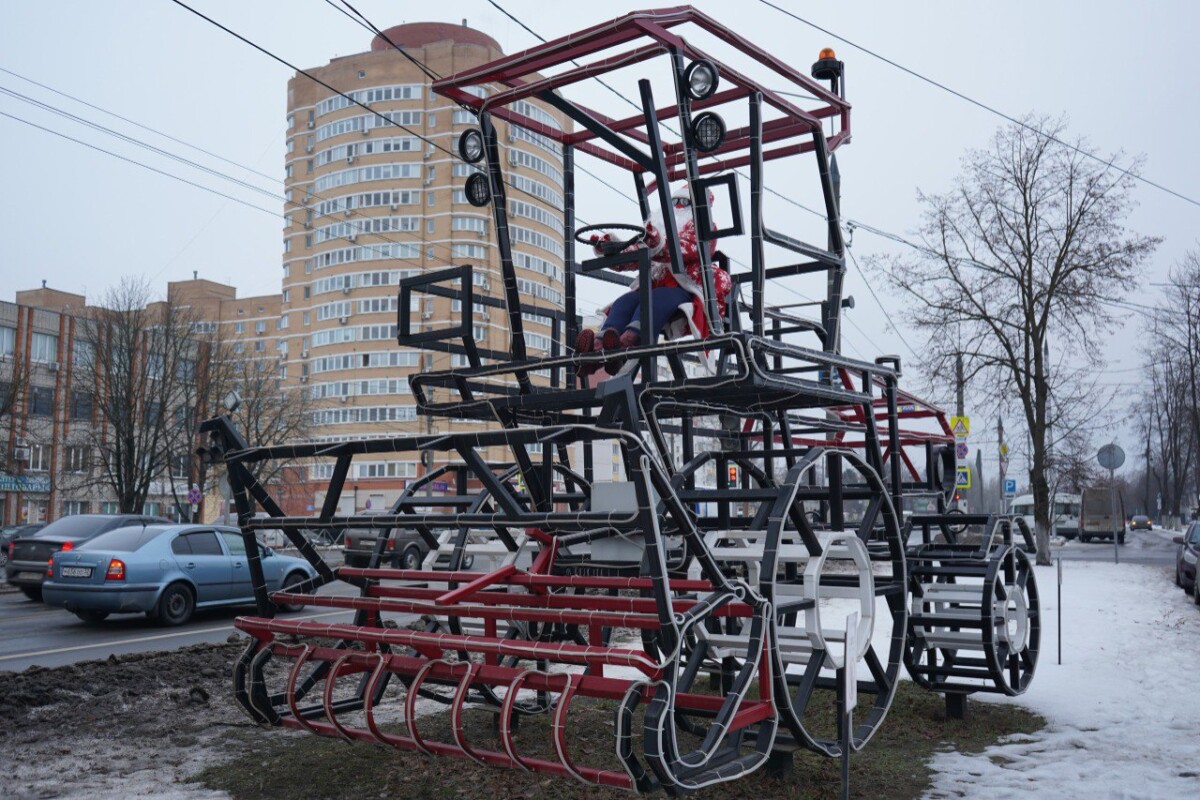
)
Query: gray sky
[{"x": 1124, "y": 73}]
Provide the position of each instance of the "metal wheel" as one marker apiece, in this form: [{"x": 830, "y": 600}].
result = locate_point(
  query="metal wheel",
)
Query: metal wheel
[
  {"x": 974, "y": 624},
  {"x": 176, "y": 605}
]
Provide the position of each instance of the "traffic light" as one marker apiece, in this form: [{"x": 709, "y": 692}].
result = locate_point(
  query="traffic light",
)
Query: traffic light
[{"x": 733, "y": 474}]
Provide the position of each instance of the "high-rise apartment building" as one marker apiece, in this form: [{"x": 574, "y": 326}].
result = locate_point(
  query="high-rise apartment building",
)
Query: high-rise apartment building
[{"x": 376, "y": 195}]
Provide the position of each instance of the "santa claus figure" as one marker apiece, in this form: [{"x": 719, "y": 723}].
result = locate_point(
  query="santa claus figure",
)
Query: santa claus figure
[{"x": 677, "y": 300}]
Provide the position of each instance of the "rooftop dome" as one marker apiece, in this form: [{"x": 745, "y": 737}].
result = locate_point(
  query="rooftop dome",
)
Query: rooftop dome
[{"x": 419, "y": 34}]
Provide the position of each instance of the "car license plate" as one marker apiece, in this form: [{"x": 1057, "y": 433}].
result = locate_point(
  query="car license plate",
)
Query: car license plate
[{"x": 77, "y": 572}]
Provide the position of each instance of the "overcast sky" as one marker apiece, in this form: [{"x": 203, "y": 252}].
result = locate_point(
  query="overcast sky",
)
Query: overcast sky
[{"x": 1124, "y": 73}]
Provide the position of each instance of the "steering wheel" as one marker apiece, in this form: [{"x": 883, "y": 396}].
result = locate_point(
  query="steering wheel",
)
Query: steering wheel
[{"x": 612, "y": 247}]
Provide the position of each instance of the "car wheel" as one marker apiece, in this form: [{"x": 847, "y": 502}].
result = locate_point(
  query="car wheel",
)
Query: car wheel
[
  {"x": 92, "y": 617},
  {"x": 1121, "y": 539},
  {"x": 468, "y": 561},
  {"x": 176, "y": 605},
  {"x": 34, "y": 593},
  {"x": 1178, "y": 577},
  {"x": 1196, "y": 592},
  {"x": 3, "y": 557},
  {"x": 1085, "y": 539},
  {"x": 293, "y": 579},
  {"x": 411, "y": 559}
]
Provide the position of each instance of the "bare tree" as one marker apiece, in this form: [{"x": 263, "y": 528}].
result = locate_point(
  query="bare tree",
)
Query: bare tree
[
  {"x": 135, "y": 355},
  {"x": 14, "y": 383},
  {"x": 269, "y": 412},
  {"x": 1175, "y": 356},
  {"x": 1024, "y": 252}
]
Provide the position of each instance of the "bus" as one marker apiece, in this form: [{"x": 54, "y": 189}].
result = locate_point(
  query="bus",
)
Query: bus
[{"x": 1065, "y": 513}]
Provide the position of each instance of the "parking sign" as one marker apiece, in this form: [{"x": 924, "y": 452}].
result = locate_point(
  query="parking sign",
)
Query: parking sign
[{"x": 1010, "y": 487}]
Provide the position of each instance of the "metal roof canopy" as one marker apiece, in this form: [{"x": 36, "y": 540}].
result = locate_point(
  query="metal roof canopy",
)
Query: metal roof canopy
[{"x": 634, "y": 29}]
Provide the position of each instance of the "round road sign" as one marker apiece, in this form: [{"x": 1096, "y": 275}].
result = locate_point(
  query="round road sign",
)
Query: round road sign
[{"x": 1111, "y": 456}]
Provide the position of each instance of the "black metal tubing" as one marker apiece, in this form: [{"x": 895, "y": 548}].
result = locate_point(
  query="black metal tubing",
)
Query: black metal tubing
[{"x": 512, "y": 296}]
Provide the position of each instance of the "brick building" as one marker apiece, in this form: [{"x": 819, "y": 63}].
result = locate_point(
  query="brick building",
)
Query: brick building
[{"x": 48, "y": 467}]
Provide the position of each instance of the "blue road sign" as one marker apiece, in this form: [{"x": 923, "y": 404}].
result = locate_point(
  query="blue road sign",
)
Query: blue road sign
[{"x": 1010, "y": 487}]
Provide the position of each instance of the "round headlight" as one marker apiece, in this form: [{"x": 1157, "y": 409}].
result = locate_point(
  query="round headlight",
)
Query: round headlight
[
  {"x": 470, "y": 146},
  {"x": 701, "y": 79},
  {"x": 477, "y": 190},
  {"x": 708, "y": 131}
]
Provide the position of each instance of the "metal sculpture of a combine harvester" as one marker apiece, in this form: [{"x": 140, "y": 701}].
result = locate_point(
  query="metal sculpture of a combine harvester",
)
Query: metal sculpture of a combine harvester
[{"x": 718, "y": 619}]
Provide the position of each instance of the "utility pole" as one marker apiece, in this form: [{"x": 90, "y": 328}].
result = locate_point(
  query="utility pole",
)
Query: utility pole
[
  {"x": 1146, "y": 493},
  {"x": 958, "y": 382},
  {"x": 1003, "y": 467},
  {"x": 979, "y": 477}
]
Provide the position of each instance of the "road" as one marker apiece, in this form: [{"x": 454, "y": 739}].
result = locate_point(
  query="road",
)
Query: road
[
  {"x": 1141, "y": 547},
  {"x": 34, "y": 634}
]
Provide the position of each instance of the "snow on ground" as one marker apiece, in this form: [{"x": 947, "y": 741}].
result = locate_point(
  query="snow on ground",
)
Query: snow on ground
[{"x": 1123, "y": 708}]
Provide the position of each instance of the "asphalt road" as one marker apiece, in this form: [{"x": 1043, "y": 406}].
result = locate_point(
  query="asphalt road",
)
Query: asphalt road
[
  {"x": 34, "y": 634},
  {"x": 1141, "y": 547}
]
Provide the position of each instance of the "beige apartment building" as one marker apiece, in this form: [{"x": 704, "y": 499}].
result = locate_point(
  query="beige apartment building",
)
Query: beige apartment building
[{"x": 371, "y": 203}]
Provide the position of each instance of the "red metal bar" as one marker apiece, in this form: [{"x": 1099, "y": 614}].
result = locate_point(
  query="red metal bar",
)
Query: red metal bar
[
  {"x": 486, "y": 612},
  {"x": 483, "y": 581},
  {"x": 584, "y": 655},
  {"x": 524, "y": 579},
  {"x": 644, "y": 605}
]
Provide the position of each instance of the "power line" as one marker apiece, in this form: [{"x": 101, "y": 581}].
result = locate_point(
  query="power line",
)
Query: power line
[
  {"x": 136, "y": 142},
  {"x": 432, "y": 74},
  {"x": 874, "y": 296},
  {"x": 348, "y": 97},
  {"x": 140, "y": 125},
  {"x": 982, "y": 105},
  {"x": 170, "y": 175}
]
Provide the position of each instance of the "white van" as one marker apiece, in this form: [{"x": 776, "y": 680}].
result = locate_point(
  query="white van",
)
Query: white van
[{"x": 1064, "y": 513}]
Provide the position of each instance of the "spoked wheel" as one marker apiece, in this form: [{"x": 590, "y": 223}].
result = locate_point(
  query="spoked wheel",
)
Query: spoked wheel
[
  {"x": 815, "y": 579},
  {"x": 974, "y": 624}
]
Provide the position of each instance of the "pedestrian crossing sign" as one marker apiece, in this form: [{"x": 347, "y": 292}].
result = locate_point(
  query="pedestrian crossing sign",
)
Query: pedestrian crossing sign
[
  {"x": 960, "y": 426},
  {"x": 963, "y": 478}
]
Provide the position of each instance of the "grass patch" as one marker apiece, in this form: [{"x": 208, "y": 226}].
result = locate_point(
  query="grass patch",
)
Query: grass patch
[{"x": 893, "y": 765}]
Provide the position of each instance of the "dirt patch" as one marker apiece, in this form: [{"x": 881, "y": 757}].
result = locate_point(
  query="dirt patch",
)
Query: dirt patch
[
  {"x": 894, "y": 765},
  {"x": 126, "y": 726},
  {"x": 165, "y": 725}
]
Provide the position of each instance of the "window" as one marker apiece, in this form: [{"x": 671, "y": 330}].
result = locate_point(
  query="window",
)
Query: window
[
  {"x": 39, "y": 458},
  {"x": 41, "y": 400},
  {"x": 235, "y": 543},
  {"x": 8, "y": 340},
  {"x": 259, "y": 346},
  {"x": 153, "y": 412},
  {"x": 43, "y": 348},
  {"x": 239, "y": 327},
  {"x": 78, "y": 458},
  {"x": 287, "y": 295},
  {"x": 151, "y": 509},
  {"x": 203, "y": 542},
  {"x": 180, "y": 465},
  {"x": 72, "y": 507},
  {"x": 109, "y": 507},
  {"x": 260, "y": 326},
  {"x": 81, "y": 405}
]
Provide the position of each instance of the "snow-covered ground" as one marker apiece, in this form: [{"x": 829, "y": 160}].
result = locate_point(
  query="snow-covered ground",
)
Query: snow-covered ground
[{"x": 1123, "y": 708}]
